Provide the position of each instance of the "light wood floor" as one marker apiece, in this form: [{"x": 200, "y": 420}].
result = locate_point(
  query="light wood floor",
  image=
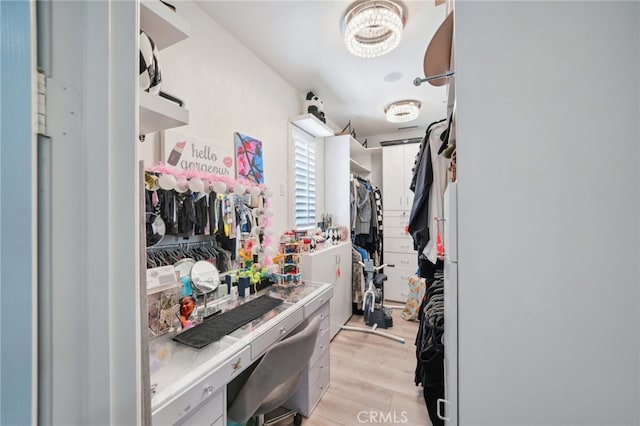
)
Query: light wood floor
[{"x": 372, "y": 379}]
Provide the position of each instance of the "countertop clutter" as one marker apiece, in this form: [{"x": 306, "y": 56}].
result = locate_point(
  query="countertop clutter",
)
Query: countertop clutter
[{"x": 184, "y": 380}]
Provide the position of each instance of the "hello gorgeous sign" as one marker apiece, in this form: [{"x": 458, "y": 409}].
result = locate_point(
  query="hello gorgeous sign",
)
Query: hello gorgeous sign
[{"x": 182, "y": 152}]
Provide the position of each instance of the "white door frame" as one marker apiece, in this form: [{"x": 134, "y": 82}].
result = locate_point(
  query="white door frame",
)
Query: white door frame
[
  {"x": 90, "y": 357},
  {"x": 18, "y": 272}
]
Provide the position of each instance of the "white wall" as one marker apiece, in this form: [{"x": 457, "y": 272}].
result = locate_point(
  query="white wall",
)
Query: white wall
[
  {"x": 548, "y": 111},
  {"x": 228, "y": 89}
]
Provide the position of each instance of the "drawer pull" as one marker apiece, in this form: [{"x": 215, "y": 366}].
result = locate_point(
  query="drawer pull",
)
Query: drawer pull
[
  {"x": 322, "y": 347},
  {"x": 283, "y": 330},
  {"x": 322, "y": 367},
  {"x": 208, "y": 390},
  {"x": 236, "y": 365}
]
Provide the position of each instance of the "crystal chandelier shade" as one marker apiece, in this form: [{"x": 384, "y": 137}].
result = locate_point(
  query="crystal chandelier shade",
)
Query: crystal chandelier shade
[
  {"x": 402, "y": 111},
  {"x": 373, "y": 28}
]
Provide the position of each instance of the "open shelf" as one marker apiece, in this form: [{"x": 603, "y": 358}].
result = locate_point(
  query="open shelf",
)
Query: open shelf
[
  {"x": 358, "y": 168},
  {"x": 356, "y": 147},
  {"x": 164, "y": 26},
  {"x": 157, "y": 113},
  {"x": 310, "y": 124}
]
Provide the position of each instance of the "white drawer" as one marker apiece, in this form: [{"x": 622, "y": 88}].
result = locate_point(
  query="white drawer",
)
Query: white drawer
[
  {"x": 208, "y": 413},
  {"x": 320, "y": 300},
  {"x": 319, "y": 367},
  {"x": 325, "y": 323},
  {"x": 401, "y": 260},
  {"x": 322, "y": 347},
  {"x": 180, "y": 408},
  {"x": 318, "y": 388},
  {"x": 396, "y": 221},
  {"x": 397, "y": 285},
  {"x": 400, "y": 245},
  {"x": 277, "y": 332},
  {"x": 396, "y": 231},
  {"x": 395, "y": 213}
]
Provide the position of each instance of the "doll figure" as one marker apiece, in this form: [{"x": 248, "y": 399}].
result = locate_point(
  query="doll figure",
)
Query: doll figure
[{"x": 187, "y": 306}]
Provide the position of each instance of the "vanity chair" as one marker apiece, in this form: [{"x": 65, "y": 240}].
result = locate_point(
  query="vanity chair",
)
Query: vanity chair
[{"x": 261, "y": 389}]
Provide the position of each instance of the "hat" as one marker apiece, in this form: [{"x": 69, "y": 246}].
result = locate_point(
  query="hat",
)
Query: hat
[{"x": 437, "y": 57}]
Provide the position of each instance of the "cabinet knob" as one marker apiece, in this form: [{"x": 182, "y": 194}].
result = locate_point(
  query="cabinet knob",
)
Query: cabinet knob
[
  {"x": 208, "y": 390},
  {"x": 236, "y": 365},
  {"x": 283, "y": 330}
]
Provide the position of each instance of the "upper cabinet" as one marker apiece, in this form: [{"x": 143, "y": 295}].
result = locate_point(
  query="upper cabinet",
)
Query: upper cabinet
[{"x": 165, "y": 27}]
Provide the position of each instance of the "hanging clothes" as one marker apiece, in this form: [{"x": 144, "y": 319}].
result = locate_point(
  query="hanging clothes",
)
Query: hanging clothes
[
  {"x": 357, "y": 277},
  {"x": 431, "y": 180},
  {"x": 429, "y": 344}
]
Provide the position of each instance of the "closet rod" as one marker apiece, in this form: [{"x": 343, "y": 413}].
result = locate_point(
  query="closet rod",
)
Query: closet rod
[
  {"x": 185, "y": 245},
  {"x": 418, "y": 81}
]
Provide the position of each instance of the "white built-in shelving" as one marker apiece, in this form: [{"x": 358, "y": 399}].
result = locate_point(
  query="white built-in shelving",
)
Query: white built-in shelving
[
  {"x": 165, "y": 27},
  {"x": 312, "y": 125},
  {"x": 358, "y": 168}
]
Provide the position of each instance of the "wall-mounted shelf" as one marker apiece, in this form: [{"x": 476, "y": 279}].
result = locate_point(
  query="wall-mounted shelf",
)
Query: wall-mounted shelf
[
  {"x": 157, "y": 113},
  {"x": 164, "y": 26},
  {"x": 358, "y": 168},
  {"x": 310, "y": 124}
]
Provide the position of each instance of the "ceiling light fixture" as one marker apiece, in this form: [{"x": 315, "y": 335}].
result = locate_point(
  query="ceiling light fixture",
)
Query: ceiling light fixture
[
  {"x": 402, "y": 111},
  {"x": 373, "y": 28}
]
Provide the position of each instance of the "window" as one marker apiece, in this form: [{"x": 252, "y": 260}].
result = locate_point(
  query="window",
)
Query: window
[{"x": 304, "y": 179}]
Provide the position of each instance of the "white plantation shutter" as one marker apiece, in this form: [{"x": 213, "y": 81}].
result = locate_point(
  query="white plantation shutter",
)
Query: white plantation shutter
[{"x": 305, "y": 180}]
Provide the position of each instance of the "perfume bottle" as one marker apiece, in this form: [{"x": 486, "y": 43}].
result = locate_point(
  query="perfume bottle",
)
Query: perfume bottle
[{"x": 176, "y": 152}]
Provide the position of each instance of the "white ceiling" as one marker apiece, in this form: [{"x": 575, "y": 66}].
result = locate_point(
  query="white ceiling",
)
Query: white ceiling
[{"x": 303, "y": 42}]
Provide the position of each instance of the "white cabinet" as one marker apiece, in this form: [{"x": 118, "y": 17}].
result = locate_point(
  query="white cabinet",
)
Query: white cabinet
[
  {"x": 397, "y": 199},
  {"x": 397, "y": 165},
  {"x": 332, "y": 265},
  {"x": 315, "y": 379},
  {"x": 165, "y": 27}
]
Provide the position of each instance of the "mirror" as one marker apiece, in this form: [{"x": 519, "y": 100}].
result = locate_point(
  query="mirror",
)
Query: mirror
[
  {"x": 184, "y": 266},
  {"x": 205, "y": 279},
  {"x": 205, "y": 276}
]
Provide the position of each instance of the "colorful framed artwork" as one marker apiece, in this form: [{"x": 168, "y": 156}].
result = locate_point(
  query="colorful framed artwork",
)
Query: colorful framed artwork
[{"x": 249, "y": 162}]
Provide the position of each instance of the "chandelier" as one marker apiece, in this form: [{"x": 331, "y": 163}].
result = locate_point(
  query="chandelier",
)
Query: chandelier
[
  {"x": 373, "y": 28},
  {"x": 402, "y": 111}
]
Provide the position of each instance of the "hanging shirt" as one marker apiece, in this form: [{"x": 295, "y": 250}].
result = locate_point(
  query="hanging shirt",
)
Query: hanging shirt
[{"x": 440, "y": 167}]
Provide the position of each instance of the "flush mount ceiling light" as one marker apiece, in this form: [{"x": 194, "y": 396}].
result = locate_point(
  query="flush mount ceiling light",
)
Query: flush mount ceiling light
[
  {"x": 373, "y": 28},
  {"x": 402, "y": 111}
]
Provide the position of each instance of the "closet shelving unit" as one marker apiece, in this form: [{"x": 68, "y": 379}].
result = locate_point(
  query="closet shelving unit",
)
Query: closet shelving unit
[
  {"x": 165, "y": 27},
  {"x": 360, "y": 157}
]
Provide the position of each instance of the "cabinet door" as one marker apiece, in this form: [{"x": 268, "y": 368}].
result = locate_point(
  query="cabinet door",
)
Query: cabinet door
[
  {"x": 393, "y": 177},
  {"x": 408, "y": 159}
]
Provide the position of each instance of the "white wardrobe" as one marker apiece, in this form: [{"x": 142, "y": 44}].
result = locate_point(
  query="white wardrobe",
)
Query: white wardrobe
[{"x": 398, "y": 252}]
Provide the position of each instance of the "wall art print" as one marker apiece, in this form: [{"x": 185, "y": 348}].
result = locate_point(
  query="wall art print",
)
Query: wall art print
[
  {"x": 249, "y": 162},
  {"x": 185, "y": 152}
]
